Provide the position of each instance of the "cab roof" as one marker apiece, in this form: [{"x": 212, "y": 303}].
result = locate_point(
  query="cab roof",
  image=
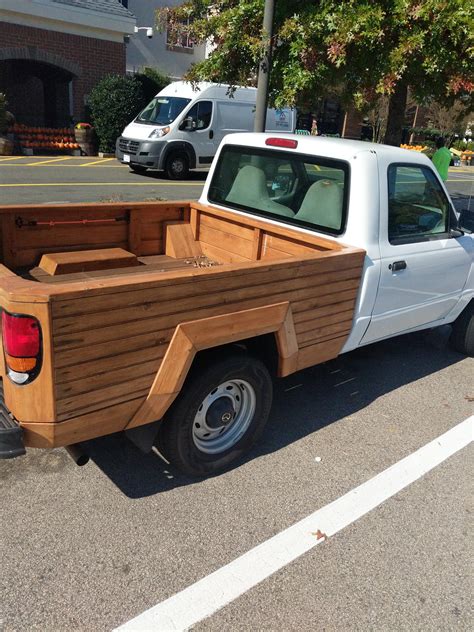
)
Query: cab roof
[{"x": 338, "y": 148}]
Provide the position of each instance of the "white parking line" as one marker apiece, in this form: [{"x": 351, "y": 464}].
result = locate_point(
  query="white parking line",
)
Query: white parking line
[{"x": 210, "y": 594}]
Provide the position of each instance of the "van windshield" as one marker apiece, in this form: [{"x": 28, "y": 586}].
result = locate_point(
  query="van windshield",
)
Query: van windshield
[{"x": 162, "y": 110}]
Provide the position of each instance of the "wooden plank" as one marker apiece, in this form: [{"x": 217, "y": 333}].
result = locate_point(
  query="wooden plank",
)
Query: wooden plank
[
  {"x": 192, "y": 336},
  {"x": 164, "y": 305},
  {"x": 179, "y": 241},
  {"x": 316, "y": 324},
  {"x": 37, "y": 238},
  {"x": 268, "y": 254},
  {"x": 334, "y": 307},
  {"x": 322, "y": 352},
  {"x": 257, "y": 244},
  {"x": 96, "y": 424},
  {"x": 85, "y": 384},
  {"x": 112, "y": 393},
  {"x": 112, "y": 348},
  {"x": 280, "y": 230},
  {"x": 64, "y": 262},
  {"x": 289, "y": 246},
  {"x": 64, "y": 292},
  {"x": 337, "y": 329},
  {"x": 220, "y": 255},
  {"x": 194, "y": 220},
  {"x": 231, "y": 243},
  {"x": 85, "y": 369},
  {"x": 231, "y": 227}
]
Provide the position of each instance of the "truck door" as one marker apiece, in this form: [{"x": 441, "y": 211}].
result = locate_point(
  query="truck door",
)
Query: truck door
[{"x": 423, "y": 267}]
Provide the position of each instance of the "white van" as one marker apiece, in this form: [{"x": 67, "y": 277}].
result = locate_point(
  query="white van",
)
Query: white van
[{"x": 182, "y": 127}]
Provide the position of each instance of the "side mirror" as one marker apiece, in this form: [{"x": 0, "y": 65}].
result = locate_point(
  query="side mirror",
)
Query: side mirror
[
  {"x": 466, "y": 220},
  {"x": 188, "y": 124}
]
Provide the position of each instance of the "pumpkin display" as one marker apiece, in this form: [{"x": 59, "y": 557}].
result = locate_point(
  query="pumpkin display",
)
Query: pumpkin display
[{"x": 45, "y": 139}]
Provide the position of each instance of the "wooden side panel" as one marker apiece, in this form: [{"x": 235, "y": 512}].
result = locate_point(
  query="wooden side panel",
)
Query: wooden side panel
[
  {"x": 27, "y": 232},
  {"x": 124, "y": 336},
  {"x": 180, "y": 242}
]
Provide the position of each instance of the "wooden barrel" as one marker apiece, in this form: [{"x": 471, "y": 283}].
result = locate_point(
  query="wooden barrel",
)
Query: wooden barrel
[{"x": 85, "y": 138}]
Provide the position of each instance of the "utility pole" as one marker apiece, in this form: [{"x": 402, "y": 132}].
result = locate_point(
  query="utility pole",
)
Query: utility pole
[{"x": 264, "y": 67}]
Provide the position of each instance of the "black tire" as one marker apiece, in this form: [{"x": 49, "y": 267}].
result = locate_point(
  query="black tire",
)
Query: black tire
[
  {"x": 177, "y": 438},
  {"x": 177, "y": 166},
  {"x": 138, "y": 168},
  {"x": 462, "y": 336}
]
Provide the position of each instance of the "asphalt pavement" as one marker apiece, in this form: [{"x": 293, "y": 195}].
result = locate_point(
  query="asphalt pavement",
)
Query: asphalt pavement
[{"x": 91, "y": 548}]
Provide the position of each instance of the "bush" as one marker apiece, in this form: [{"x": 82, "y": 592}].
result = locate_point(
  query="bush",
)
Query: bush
[
  {"x": 114, "y": 102},
  {"x": 152, "y": 81}
]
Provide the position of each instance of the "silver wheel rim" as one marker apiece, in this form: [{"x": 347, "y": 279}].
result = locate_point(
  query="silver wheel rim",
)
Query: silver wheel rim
[{"x": 224, "y": 416}]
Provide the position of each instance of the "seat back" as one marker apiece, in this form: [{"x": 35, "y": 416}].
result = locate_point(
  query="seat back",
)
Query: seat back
[
  {"x": 250, "y": 189},
  {"x": 322, "y": 204}
]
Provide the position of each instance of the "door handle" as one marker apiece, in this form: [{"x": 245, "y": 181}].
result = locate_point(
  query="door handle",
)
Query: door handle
[
  {"x": 211, "y": 134},
  {"x": 397, "y": 265}
]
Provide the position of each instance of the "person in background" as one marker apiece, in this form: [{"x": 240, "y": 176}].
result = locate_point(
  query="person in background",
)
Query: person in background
[{"x": 442, "y": 158}]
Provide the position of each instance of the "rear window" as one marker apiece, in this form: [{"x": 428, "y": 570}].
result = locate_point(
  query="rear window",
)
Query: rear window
[{"x": 301, "y": 190}]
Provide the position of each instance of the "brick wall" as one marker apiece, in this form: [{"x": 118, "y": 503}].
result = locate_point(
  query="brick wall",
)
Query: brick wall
[{"x": 94, "y": 57}]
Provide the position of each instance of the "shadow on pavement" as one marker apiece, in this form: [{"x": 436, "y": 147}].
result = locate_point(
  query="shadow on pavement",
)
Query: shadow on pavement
[
  {"x": 335, "y": 390},
  {"x": 196, "y": 176}
]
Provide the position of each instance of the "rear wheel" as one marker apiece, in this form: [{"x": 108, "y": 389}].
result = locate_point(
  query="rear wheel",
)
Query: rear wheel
[
  {"x": 218, "y": 416},
  {"x": 177, "y": 166},
  {"x": 462, "y": 336}
]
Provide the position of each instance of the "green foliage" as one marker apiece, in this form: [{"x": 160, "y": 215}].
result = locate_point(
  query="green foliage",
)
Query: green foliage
[
  {"x": 114, "y": 102},
  {"x": 360, "y": 48},
  {"x": 152, "y": 81},
  {"x": 462, "y": 145}
]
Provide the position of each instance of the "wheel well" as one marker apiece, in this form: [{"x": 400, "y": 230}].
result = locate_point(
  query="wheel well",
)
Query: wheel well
[
  {"x": 262, "y": 347},
  {"x": 179, "y": 147}
]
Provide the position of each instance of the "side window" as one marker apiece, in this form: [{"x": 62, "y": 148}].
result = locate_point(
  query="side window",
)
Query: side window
[
  {"x": 201, "y": 114},
  {"x": 418, "y": 209}
]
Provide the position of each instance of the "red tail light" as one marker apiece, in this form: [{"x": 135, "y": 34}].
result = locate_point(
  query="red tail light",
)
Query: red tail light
[{"x": 22, "y": 346}]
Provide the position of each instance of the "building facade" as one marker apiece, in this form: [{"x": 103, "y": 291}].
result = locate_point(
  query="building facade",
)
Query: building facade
[
  {"x": 170, "y": 57},
  {"x": 53, "y": 52}
]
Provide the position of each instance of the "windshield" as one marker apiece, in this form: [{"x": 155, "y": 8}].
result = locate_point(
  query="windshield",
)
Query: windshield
[{"x": 162, "y": 110}]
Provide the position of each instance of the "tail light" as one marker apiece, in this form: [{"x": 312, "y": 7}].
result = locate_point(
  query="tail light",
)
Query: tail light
[{"x": 22, "y": 346}]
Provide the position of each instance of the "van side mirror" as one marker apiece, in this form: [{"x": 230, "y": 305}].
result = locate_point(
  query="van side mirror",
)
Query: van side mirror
[
  {"x": 466, "y": 220},
  {"x": 188, "y": 124}
]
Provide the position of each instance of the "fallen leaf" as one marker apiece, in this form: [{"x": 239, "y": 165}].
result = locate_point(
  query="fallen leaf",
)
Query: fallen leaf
[{"x": 320, "y": 535}]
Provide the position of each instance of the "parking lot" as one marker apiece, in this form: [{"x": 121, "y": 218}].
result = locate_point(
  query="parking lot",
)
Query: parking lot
[{"x": 106, "y": 545}]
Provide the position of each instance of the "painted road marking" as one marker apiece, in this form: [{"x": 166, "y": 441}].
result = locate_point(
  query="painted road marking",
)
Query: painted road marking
[
  {"x": 96, "y": 162},
  {"x": 5, "y": 158},
  {"x": 210, "y": 594},
  {"x": 104, "y": 184},
  {"x": 45, "y": 162}
]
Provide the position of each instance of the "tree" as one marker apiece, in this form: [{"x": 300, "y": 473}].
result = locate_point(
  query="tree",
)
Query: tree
[
  {"x": 365, "y": 48},
  {"x": 114, "y": 101}
]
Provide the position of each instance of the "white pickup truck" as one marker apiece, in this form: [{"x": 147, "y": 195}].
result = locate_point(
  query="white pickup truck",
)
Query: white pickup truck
[{"x": 171, "y": 328}]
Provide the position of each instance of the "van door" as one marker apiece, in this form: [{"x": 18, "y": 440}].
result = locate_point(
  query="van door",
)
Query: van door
[
  {"x": 423, "y": 267},
  {"x": 197, "y": 124}
]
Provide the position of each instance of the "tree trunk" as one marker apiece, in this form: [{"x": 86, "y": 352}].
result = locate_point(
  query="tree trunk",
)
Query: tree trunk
[{"x": 396, "y": 115}]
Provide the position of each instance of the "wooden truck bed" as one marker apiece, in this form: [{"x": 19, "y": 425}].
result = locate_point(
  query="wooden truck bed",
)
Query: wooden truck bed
[{"x": 119, "y": 338}]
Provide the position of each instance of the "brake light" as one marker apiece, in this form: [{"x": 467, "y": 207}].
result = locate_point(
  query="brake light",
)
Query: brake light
[
  {"x": 289, "y": 143},
  {"x": 22, "y": 346}
]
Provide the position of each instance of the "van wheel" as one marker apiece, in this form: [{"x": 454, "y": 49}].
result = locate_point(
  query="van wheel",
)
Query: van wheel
[
  {"x": 220, "y": 413},
  {"x": 462, "y": 336},
  {"x": 138, "y": 168},
  {"x": 177, "y": 166}
]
